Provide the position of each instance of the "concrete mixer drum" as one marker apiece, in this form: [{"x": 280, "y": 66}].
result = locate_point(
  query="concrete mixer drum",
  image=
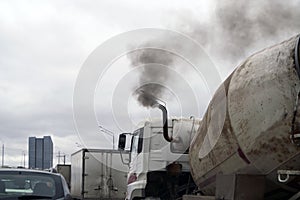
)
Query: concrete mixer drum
[{"x": 261, "y": 131}]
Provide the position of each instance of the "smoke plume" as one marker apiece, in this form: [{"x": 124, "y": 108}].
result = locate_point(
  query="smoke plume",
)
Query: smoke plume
[
  {"x": 153, "y": 65},
  {"x": 239, "y": 28},
  {"x": 235, "y": 30}
]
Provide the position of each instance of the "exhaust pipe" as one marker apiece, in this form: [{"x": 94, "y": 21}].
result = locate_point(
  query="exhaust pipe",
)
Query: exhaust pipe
[
  {"x": 164, "y": 114},
  {"x": 165, "y": 122}
]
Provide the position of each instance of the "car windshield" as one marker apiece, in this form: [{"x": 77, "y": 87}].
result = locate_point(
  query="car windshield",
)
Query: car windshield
[{"x": 20, "y": 183}]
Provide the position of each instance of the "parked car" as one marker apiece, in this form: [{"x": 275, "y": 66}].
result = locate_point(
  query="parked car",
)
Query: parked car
[{"x": 32, "y": 184}]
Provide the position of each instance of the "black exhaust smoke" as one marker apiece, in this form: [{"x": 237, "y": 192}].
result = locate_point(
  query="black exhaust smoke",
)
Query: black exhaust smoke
[{"x": 147, "y": 94}]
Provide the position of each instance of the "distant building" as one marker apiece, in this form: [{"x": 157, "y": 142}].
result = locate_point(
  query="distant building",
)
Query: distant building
[{"x": 40, "y": 152}]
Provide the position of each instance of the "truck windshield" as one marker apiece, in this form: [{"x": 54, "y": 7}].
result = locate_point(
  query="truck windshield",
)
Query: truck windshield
[{"x": 137, "y": 141}]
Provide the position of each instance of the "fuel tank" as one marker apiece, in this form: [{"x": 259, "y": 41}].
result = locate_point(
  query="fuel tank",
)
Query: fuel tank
[{"x": 252, "y": 121}]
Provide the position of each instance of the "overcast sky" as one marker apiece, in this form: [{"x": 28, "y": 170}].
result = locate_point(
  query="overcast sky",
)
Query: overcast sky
[{"x": 43, "y": 45}]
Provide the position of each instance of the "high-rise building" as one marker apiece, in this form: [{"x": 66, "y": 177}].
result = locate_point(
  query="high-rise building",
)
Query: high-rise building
[{"x": 40, "y": 152}]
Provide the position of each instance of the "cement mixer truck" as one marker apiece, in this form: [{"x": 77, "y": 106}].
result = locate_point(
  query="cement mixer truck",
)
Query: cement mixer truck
[
  {"x": 248, "y": 143},
  {"x": 258, "y": 135}
]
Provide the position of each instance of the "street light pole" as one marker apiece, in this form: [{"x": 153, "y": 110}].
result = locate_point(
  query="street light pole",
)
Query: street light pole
[
  {"x": 105, "y": 130},
  {"x": 24, "y": 158},
  {"x": 3, "y": 155}
]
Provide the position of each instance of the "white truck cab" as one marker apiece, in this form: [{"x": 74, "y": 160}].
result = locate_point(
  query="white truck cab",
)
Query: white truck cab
[{"x": 159, "y": 168}]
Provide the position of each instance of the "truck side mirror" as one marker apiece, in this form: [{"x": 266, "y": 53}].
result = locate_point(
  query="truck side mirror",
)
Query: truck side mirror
[{"x": 122, "y": 141}]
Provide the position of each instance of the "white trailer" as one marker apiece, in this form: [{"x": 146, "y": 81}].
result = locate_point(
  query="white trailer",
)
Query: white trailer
[{"x": 98, "y": 174}]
